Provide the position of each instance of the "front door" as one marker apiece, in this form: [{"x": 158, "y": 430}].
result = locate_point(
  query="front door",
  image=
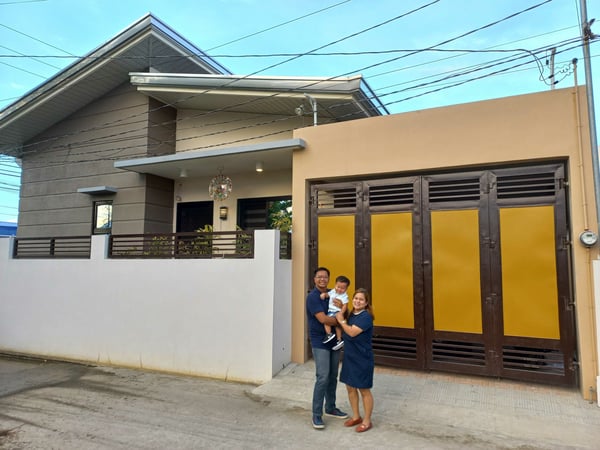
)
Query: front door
[{"x": 193, "y": 215}]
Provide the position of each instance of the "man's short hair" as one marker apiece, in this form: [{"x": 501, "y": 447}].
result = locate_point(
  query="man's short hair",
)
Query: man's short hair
[{"x": 321, "y": 269}]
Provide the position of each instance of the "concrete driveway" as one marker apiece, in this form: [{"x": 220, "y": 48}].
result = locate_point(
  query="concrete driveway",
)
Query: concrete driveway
[{"x": 56, "y": 405}]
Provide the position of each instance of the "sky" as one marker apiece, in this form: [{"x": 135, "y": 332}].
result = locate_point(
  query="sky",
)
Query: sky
[{"x": 414, "y": 54}]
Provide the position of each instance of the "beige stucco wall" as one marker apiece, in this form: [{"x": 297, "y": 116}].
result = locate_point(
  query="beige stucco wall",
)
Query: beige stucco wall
[
  {"x": 522, "y": 128},
  {"x": 199, "y": 129},
  {"x": 245, "y": 185}
]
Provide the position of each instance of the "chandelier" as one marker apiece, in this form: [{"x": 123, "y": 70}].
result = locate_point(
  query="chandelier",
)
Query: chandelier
[{"x": 220, "y": 186}]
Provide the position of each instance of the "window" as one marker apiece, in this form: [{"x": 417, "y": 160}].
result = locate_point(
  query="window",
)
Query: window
[
  {"x": 265, "y": 213},
  {"x": 102, "y": 217}
]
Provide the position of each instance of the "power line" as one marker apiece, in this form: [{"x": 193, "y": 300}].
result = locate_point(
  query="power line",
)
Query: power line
[
  {"x": 23, "y": 1},
  {"x": 447, "y": 41},
  {"x": 453, "y": 75},
  {"x": 36, "y": 39},
  {"x": 277, "y": 26},
  {"x": 246, "y": 76},
  {"x": 430, "y": 47}
]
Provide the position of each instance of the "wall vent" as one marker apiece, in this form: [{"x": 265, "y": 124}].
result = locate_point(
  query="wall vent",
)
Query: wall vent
[
  {"x": 526, "y": 185},
  {"x": 390, "y": 195},
  {"x": 466, "y": 189},
  {"x": 455, "y": 352},
  {"x": 395, "y": 347},
  {"x": 343, "y": 197},
  {"x": 539, "y": 360}
]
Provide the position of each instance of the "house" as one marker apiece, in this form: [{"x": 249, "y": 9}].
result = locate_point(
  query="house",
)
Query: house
[
  {"x": 150, "y": 102},
  {"x": 462, "y": 221}
]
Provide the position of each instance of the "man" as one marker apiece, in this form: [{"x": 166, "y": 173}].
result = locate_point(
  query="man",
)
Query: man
[{"x": 326, "y": 360}]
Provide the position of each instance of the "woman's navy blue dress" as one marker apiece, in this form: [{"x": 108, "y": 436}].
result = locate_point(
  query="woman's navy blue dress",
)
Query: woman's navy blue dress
[{"x": 359, "y": 363}]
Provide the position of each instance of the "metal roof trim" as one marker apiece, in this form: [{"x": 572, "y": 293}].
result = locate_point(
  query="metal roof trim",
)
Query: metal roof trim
[{"x": 266, "y": 83}]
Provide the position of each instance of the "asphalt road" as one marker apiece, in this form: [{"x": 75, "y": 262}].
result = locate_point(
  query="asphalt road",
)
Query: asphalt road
[{"x": 55, "y": 405}]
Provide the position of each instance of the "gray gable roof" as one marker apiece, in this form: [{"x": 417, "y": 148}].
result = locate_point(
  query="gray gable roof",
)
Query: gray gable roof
[{"x": 147, "y": 44}]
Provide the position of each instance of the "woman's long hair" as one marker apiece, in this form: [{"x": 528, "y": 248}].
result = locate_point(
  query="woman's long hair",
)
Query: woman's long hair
[{"x": 369, "y": 307}]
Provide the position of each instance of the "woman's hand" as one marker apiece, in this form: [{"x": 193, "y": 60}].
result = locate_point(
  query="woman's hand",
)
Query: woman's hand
[{"x": 339, "y": 316}]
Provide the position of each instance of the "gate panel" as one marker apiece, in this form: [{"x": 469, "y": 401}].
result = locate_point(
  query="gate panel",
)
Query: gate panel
[
  {"x": 529, "y": 285},
  {"x": 336, "y": 246},
  {"x": 456, "y": 271},
  {"x": 392, "y": 269}
]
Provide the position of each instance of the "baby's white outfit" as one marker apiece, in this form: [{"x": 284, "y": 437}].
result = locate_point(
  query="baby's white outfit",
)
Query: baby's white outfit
[{"x": 333, "y": 296}]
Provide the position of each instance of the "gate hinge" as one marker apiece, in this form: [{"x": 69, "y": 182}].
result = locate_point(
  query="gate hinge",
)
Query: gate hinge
[
  {"x": 494, "y": 355},
  {"x": 569, "y": 303},
  {"x": 488, "y": 242},
  {"x": 312, "y": 244},
  {"x": 566, "y": 242},
  {"x": 313, "y": 200},
  {"x": 562, "y": 183},
  {"x": 361, "y": 194},
  {"x": 491, "y": 299},
  {"x": 488, "y": 187}
]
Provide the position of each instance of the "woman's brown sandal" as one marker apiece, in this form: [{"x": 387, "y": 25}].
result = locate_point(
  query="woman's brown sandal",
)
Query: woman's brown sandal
[
  {"x": 351, "y": 422},
  {"x": 363, "y": 427}
]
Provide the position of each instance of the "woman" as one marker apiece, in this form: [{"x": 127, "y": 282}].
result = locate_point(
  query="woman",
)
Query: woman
[{"x": 359, "y": 364}]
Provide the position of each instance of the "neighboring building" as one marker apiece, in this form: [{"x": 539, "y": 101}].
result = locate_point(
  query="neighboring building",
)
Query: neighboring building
[
  {"x": 462, "y": 221},
  {"x": 8, "y": 228}
]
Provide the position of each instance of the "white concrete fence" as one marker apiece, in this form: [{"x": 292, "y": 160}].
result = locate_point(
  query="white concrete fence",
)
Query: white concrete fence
[{"x": 219, "y": 318}]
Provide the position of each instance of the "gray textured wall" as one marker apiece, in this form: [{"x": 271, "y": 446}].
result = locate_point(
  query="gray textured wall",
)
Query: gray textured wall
[{"x": 80, "y": 151}]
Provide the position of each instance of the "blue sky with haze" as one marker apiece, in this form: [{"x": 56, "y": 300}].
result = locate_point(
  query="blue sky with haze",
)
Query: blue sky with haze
[{"x": 503, "y": 45}]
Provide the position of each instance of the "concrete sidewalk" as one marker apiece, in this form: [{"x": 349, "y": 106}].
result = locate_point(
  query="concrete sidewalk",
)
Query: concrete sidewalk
[{"x": 513, "y": 414}]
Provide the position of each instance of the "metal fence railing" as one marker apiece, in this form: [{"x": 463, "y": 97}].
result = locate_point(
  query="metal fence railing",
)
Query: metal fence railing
[
  {"x": 285, "y": 245},
  {"x": 52, "y": 247},
  {"x": 224, "y": 244}
]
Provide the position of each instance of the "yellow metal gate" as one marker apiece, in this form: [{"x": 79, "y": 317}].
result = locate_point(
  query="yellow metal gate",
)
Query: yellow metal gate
[{"x": 469, "y": 272}]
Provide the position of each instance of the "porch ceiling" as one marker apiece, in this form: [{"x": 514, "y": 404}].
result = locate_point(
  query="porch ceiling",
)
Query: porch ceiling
[{"x": 276, "y": 155}]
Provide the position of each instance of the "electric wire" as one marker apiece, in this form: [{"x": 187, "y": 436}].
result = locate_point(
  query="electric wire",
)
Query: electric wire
[
  {"x": 469, "y": 32},
  {"x": 223, "y": 132},
  {"x": 144, "y": 154},
  {"x": 246, "y": 76},
  {"x": 277, "y": 26}
]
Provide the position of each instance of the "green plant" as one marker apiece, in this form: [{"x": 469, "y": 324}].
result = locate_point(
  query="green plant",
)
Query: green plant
[
  {"x": 203, "y": 244},
  {"x": 280, "y": 215},
  {"x": 159, "y": 246},
  {"x": 243, "y": 242}
]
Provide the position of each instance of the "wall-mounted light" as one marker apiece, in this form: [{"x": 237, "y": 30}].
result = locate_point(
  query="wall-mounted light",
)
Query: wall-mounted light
[
  {"x": 259, "y": 166},
  {"x": 223, "y": 212},
  {"x": 183, "y": 173}
]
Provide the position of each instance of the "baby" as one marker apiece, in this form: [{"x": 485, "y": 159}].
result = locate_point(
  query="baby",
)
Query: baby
[{"x": 339, "y": 293}]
